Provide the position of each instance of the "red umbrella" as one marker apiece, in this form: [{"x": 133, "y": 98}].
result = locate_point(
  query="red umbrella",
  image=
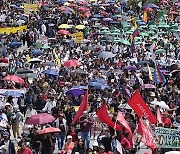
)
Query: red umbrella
[
  {"x": 41, "y": 118},
  {"x": 83, "y": 9},
  {"x": 150, "y": 86},
  {"x": 71, "y": 5},
  {"x": 87, "y": 14},
  {"x": 148, "y": 9},
  {"x": 64, "y": 32},
  {"x": 62, "y": 8},
  {"x": 72, "y": 63},
  {"x": 83, "y": 3},
  {"x": 103, "y": 13},
  {"x": 4, "y": 60},
  {"x": 173, "y": 12},
  {"x": 49, "y": 130},
  {"x": 13, "y": 78}
]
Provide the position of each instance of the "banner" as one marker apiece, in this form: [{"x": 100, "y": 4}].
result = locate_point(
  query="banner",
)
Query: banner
[
  {"x": 140, "y": 107},
  {"x": 9, "y": 30},
  {"x": 31, "y": 7},
  {"x": 167, "y": 138}
]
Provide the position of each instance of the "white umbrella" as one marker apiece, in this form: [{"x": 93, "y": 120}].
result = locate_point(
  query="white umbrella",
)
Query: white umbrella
[
  {"x": 35, "y": 60},
  {"x": 20, "y": 22},
  {"x": 173, "y": 152},
  {"x": 162, "y": 104}
]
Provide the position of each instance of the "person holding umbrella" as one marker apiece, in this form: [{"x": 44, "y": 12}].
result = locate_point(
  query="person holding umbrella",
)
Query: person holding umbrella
[{"x": 46, "y": 144}]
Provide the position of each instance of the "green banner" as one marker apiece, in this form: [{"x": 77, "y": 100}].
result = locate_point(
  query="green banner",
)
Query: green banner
[{"x": 167, "y": 138}]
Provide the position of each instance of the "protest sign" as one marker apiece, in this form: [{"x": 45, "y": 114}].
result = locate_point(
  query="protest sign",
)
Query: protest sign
[{"x": 167, "y": 138}]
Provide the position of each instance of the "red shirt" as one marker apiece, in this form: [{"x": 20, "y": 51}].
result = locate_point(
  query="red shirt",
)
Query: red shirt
[
  {"x": 125, "y": 143},
  {"x": 24, "y": 151},
  {"x": 167, "y": 122}
]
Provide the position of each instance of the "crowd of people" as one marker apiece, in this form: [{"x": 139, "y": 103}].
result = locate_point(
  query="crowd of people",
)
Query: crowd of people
[{"x": 70, "y": 51}]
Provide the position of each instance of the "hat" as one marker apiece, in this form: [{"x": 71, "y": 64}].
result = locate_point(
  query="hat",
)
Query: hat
[
  {"x": 69, "y": 137},
  {"x": 152, "y": 94},
  {"x": 101, "y": 147}
]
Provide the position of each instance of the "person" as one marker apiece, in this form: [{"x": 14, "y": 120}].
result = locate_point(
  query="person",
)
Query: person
[
  {"x": 35, "y": 139},
  {"x": 107, "y": 140},
  {"x": 85, "y": 125},
  {"x": 49, "y": 105},
  {"x": 30, "y": 111},
  {"x": 60, "y": 123},
  {"x": 79, "y": 147},
  {"x": 46, "y": 144},
  {"x": 73, "y": 132},
  {"x": 24, "y": 149},
  {"x": 9, "y": 146},
  {"x": 69, "y": 145}
]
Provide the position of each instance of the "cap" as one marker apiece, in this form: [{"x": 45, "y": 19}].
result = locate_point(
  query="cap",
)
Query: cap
[{"x": 69, "y": 137}]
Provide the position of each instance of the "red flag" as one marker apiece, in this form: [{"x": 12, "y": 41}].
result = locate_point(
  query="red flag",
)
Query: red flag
[
  {"x": 123, "y": 121},
  {"x": 159, "y": 117},
  {"x": 148, "y": 138},
  {"x": 104, "y": 117},
  {"x": 82, "y": 108},
  {"x": 139, "y": 106}
]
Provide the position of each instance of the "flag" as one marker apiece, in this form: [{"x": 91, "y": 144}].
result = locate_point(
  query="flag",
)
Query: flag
[
  {"x": 119, "y": 147},
  {"x": 82, "y": 108},
  {"x": 150, "y": 74},
  {"x": 132, "y": 47},
  {"x": 102, "y": 114},
  {"x": 158, "y": 76},
  {"x": 123, "y": 121},
  {"x": 135, "y": 26},
  {"x": 148, "y": 138},
  {"x": 56, "y": 58},
  {"x": 135, "y": 33},
  {"x": 159, "y": 116},
  {"x": 139, "y": 106},
  {"x": 145, "y": 17}
]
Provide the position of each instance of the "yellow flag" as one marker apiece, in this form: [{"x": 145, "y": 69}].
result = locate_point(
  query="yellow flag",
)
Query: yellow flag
[
  {"x": 135, "y": 26},
  {"x": 150, "y": 74},
  {"x": 145, "y": 18},
  {"x": 56, "y": 58},
  {"x": 28, "y": 58}
]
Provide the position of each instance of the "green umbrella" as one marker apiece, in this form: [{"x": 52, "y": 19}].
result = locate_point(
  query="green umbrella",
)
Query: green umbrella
[
  {"x": 116, "y": 41},
  {"x": 46, "y": 47},
  {"x": 137, "y": 38},
  {"x": 105, "y": 32},
  {"x": 38, "y": 45},
  {"x": 161, "y": 32},
  {"x": 163, "y": 25},
  {"x": 104, "y": 28},
  {"x": 144, "y": 34},
  {"x": 114, "y": 33},
  {"x": 154, "y": 37},
  {"x": 138, "y": 43},
  {"x": 175, "y": 30},
  {"x": 128, "y": 32},
  {"x": 126, "y": 42},
  {"x": 160, "y": 51},
  {"x": 151, "y": 32},
  {"x": 174, "y": 25},
  {"x": 117, "y": 15}
]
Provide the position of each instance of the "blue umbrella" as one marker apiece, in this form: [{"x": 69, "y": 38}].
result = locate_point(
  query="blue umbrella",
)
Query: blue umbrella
[
  {"x": 15, "y": 44},
  {"x": 106, "y": 54},
  {"x": 12, "y": 93},
  {"x": 99, "y": 80},
  {"x": 151, "y": 5},
  {"x": 75, "y": 92},
  {"x": 130, "y": 12},
  {"x": 50, "y": 72},
  {"x": 99, "y": 86},
  {"x": 97, "y": 16},
  {"x": 36, "y": 52},
  {"x": 94, "y": 19},
  {"x": 141, "y": 23}
]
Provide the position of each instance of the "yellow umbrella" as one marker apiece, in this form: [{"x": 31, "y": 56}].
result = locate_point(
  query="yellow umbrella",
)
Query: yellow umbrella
[
  {"x": 66, "y": 4},
  {"x": 64, "y": 26},
  {"x": 92, "y": 0},
  {"x": 80, "y": 27}
]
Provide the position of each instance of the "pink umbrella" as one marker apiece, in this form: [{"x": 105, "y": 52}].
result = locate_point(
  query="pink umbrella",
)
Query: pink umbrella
[
  {"x": 164, "y": 1},
  {"x": 148, "y": 86},
  {"x": 173, "y": 12},
  {"x": 49, "y": 130},
  {"x": 72, "y": 63},
  {"x": 13, "y": 78},
  {"x": 148, "y": 9},
  {"x": 64, "y": 32},
  {"x": 41, "y": 118}
]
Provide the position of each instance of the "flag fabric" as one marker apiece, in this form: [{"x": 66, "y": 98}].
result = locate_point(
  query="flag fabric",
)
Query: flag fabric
[
  {"x": 123, "y": 121},
  {"x": 102, "y": 114},
  {"x": 158, "y": 76},
  {"x": 145, "y": 16},
  {"x": 135, "y": 26},
  {"x": 159, "y": 116},
  {"x": 148, "y": 138},
  {"x": 132, "y": 47},
  {"x": 82, "y": 108},
  {"x": 140, "y": 107},
  {"x": 119, "y": 147},
  {"x": 135, "y": 33},
  {"x": 56, "y": 58},
  {"x": 150, "y": 74}
]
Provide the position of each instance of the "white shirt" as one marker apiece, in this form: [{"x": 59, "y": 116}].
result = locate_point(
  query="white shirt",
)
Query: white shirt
[
  {"x": 49, "y": 105},
  {"x": 30, "y": 113}
]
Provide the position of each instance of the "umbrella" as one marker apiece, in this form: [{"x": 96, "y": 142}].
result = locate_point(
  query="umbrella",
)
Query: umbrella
[
  {"x": 148, "y": 9},
  {"x": 35, "y": 60},
  {"x": 97, "y": 16},
  {"x": 49, "y": 130},
  {"x": 64, "y": 32},
  {"x": 80, "y": 27},
  {"x": 97, "y": 85},
  {"x": 148, "y": 86},
  {"x": 144, "y": 34},
  {"x": 50, "y": 72},
  {"x": 173, "y": 12},
  {"x": 49, "y": 64},
  {"x": 72, "y": 63},
  {"x": 12, "y": 93},
  {"x": 46, "y": 46},
  {"x": 24, "y": 71},
  {"x": 105, "y": 54},
  {"x": 141, "y": 23},
  {"x": 150, "y": 5},
  {"x": 15, "y": 44},
  {"x": 99, "y": 80},
  {"x": 75, "y": 92},
  {"x": 20, "y": 22},
  {"x": 41, "y": 118},
  {"x": 107, "y": 19},
  {"x": 160, "y": 51},
  {"x": 64, "y": 26},
  {"x": 104, "y": 28},
  {"x": 79, "y": 71},
  {"x": 130, "y": 68},
  {"x": 37, "y": 52},
  {"x": 162, "y": 104},
  {"x": 13, "y": 78},
  {"x": 172, "y": 152}
]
